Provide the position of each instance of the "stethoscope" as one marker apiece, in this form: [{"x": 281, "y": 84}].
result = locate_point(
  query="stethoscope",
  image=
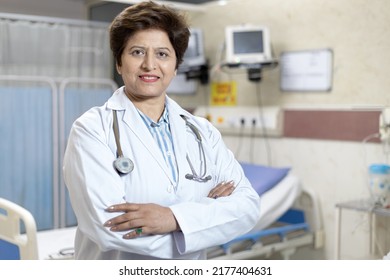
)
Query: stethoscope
[
  {"x": 203, "y": 167},
  {"x": 124, "y": 165}
]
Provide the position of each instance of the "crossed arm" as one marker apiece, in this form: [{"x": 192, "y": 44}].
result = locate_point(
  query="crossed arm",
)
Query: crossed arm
[{"x": 152, "y": 218}]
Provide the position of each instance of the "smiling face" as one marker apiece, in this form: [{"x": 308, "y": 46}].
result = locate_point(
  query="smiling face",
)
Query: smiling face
[{"x": 148, "y": 64}]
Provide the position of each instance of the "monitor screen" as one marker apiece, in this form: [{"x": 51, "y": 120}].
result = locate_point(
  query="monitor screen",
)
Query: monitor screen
[
  {"x": 247, "y": 44},
  {"x": 193, "y": 49},
  {"x": 194, "y": 55}
]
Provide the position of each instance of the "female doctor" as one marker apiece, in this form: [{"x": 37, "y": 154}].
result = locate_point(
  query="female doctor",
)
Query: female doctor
[{"x": 148, "y": 180}]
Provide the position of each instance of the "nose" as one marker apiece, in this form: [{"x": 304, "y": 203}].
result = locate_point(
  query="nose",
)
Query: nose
[{"x": 149, "y": 62}]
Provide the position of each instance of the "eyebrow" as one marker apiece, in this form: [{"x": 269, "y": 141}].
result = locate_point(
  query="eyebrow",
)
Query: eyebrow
[{"x": 158, "y": 48}]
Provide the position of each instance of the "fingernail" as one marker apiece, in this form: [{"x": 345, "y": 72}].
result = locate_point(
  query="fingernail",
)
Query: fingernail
[
  {"x": 127, "y": 236},
  {"x": 106, "y": 224},
  {"x": 113, "y": 228},
  {"x": 231, "y": 182},
  {"x": 110, "y": 208}
]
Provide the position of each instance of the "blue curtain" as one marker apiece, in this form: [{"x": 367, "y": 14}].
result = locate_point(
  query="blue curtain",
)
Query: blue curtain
[{"x": 26, "y": 161}]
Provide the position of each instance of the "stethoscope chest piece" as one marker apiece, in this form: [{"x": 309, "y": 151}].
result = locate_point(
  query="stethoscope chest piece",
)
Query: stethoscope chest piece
[{"x": 123, "y": 165}]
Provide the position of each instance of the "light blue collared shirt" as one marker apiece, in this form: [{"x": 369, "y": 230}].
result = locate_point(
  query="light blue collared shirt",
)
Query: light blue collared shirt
[{"x": 161, "y": 133}]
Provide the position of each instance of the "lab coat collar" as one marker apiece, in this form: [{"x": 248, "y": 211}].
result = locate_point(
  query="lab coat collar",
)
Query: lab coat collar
[{"x": 119, "y": 100}]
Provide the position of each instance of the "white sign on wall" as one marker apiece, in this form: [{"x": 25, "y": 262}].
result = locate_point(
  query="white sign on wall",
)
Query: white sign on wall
[{"x": 306, "y": 70}]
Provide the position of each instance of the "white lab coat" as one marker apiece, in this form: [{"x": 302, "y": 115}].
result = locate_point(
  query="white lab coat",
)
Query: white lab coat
[{"x": 94, "y": 185}]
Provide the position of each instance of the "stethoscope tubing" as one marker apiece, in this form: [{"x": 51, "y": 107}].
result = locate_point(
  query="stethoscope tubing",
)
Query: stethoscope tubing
[{"x": 117, "y": 136}]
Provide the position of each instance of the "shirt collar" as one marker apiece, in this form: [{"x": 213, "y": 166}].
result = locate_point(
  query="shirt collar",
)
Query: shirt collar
[{"x": 164, "y": 118}]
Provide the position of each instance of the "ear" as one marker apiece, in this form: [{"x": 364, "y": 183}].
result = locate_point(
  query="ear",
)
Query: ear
[{"x": 118, "y": 69}]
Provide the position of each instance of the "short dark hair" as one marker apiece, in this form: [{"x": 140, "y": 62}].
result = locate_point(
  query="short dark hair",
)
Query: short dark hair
[{"x": 149, "y": 15}]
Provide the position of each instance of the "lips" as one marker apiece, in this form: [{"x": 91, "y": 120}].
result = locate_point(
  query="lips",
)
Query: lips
[{"x": 149, "y": 78}]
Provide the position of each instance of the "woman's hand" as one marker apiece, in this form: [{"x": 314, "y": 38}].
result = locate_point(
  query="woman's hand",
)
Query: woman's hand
[
  {"x": 142, "y": 219},
  {"x": 222, "y": 189}
]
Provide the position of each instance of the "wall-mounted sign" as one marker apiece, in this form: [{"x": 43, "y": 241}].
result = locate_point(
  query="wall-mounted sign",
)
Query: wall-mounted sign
[
  {"x": 306, "y": 70},
  {"x": 224, "y": 94}
]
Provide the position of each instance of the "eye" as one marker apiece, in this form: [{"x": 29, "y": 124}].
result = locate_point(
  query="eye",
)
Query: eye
[
  {"x": 137, "y": 52},
  {"x": 162, "y": 54}
]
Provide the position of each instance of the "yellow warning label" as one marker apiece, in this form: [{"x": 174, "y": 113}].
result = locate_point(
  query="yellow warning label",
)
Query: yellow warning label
[{"x": 223, "y": 94}]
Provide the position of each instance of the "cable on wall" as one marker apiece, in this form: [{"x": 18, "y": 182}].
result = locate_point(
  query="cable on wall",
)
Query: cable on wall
[{"x": 262, "y": 125}]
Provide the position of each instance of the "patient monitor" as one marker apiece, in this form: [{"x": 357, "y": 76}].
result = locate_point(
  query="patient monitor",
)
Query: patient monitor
[
  {"x": 195, "y": 54},
  {"x": 247, "y": 44},
  {"x": 194, "y": 66}
]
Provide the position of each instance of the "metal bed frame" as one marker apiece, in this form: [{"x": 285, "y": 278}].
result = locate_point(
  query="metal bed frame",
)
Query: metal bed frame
[{"x": 299, "y": 226}]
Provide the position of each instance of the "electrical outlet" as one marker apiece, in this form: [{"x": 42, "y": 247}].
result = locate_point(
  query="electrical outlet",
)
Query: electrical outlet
[
  {"x": 249, "y": 120},
  {"x": 256, "y": 121}
]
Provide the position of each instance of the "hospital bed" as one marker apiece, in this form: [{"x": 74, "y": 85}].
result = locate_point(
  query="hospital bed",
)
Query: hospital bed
[{"x": 290, "y": 218}]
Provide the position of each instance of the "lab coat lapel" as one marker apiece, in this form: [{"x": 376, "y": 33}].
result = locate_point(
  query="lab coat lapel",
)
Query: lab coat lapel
[
  {"x": 179, "y": 136},
  {"x": 135, "y": 123}
]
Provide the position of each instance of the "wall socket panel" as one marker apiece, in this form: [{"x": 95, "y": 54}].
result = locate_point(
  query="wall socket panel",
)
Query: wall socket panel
[{"x": 245, "y": 120}]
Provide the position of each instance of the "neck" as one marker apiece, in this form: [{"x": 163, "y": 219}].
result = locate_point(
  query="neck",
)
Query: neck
[
  {"x": 153, "y": 107},
  {"x": 154, "y": 112}
]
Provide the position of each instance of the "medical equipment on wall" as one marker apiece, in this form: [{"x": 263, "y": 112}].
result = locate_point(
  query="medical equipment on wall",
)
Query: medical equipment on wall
[
  {"x": 194, "y": 67},
  {"x": 384, "y": 132},
  {"x": 248, "y": 47},
  {"x": 384, "y": 126},
  {"x": 247, "y": 44},
  {"x": 125, "y": 165}
]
